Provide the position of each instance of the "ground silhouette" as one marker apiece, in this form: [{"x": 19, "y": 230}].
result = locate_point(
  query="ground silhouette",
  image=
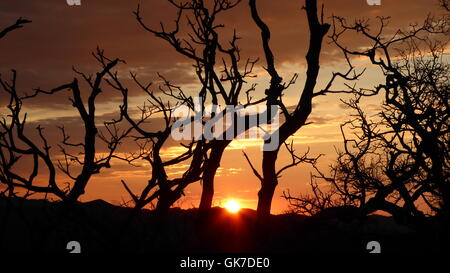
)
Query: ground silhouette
[{"x": 42, "y": 226}]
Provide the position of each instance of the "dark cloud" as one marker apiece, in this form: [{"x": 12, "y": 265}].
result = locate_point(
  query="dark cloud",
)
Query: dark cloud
[{"x": 61, "y": 37}]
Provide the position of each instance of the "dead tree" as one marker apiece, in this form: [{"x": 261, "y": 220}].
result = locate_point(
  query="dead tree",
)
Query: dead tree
[
  {"x": 222, "y": 77},
  {"x": 297, "y": 118},
  {"x": 18, "y": 144},
  {"x": 401, "y": 157},
  {"x": 160, "y": 187},
  {"x": 396, "y": 160}
]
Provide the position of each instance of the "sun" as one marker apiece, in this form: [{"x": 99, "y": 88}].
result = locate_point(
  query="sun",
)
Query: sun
[{"x": 232, "y": 206}]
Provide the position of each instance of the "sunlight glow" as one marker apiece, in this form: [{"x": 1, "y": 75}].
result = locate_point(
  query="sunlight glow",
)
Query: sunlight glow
[{"x": 232, "y": 206}]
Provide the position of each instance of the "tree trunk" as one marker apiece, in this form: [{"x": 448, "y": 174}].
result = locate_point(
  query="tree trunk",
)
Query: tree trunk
[
  {"x": 268, "y": 184},
  {"x": 79, "y": 186},
  {"x": 299, "y": 116},
  {"x": 208, "y": 188},
  {"x": 89, "y": 159},
  {"x": 265, "y": 196},
  {"x": 210, "y": 172},
  {"x": 163, "y": 205},
  {"x": 166, "y": 200}
]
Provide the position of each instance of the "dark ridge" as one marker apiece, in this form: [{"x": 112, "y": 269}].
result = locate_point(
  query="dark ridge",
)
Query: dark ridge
[{"x": 38, "y": 225}]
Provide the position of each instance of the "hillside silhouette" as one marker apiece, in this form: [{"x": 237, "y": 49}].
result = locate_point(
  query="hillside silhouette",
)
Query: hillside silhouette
[{"x": 42, "y": 226}]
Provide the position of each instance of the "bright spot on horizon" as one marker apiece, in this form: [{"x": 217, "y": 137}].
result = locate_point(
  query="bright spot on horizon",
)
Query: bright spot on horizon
[{"x": 232, "y": 206}]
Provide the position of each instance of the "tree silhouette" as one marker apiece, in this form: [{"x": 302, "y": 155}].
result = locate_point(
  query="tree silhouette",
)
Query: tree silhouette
[
  {"x": 159, "y": 187},
  {"x": 402, "y": 157},
  {"x": 17, "y": 144},
  {"x": 297, "y": 118},
  {"x": 396, "y": 161}
]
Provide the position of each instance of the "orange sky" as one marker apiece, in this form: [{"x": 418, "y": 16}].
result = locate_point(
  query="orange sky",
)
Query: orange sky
[{"x": 61, "y": 36}]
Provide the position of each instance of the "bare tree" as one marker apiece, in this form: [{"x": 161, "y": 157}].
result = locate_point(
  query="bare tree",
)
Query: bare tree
[
  {"x": 222, "y": 76},
  {"x": 297, "y": 118},
  {"x": 397, "y": 161},
  {"x": 401, "y": 157},
  {"x": 18, "y": 144},
  {"x": 150, "y": 144}
]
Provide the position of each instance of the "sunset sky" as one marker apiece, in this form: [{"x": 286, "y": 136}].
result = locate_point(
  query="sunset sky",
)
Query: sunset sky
[{"x": 61, "y": 36}]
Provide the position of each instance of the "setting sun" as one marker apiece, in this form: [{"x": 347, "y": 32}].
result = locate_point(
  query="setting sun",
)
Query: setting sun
[{"x": 232, "y": 206}]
